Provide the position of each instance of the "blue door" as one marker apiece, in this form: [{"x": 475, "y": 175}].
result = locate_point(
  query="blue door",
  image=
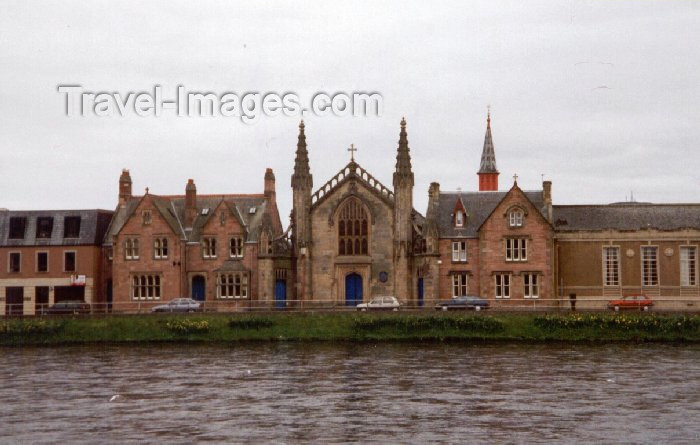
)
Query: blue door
[
  {"x": 420, "y": 292},
  {"x": 198, "y": 288},
  {"x": 280, "y": 294},
  {"x": 353, "y": 289}
]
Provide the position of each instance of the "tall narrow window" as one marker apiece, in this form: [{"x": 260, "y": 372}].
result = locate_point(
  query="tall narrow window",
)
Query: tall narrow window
[
  {"x": 69, "y": 261},
  {"x": 459, "y": 219},
  {"x": 131, "y": 249},
  {"x": 611, "y": 266},
  {"x": 531, "y": 285},
  {"x": 209, "y": 247},
  {"x": 459, "y": 285},
  {"x": 502, "y": 285},
  {"x": 689, "y": 267},
  {"x": 353, "y": 228},
  {"x": 650, "y": 266},
  {"x": 236, "y": 247},
  {"x": 15, "y": 262},
  {"x": 42, "y": 262},
  {"x": 459, "y": 251},
  {"x": 160, "y": 248},
  {"x": 516, "y": 249}
]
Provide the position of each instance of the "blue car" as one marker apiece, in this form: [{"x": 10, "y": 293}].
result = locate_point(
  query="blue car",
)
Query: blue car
[{"x": 464, "y": 302}]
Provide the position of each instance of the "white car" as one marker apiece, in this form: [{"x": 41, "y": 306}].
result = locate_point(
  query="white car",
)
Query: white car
[{"x": 380, "y": 303}]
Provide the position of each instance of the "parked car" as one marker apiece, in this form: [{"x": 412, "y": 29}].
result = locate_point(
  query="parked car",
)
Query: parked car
[
  {"x": 639, "y": 302},
  {"x": 463, "y": 302},
  {"x": 69, "y": 307},
  {"x": 179, "y": 305},
  {"x": 380, "y": 303}
]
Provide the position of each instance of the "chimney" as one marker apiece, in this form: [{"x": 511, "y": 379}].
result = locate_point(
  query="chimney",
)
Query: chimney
[
  {"x": 269, "y": 185},
  {"x": 190, "y": 203},
  {"x": 547, "y": 198},
  {"x": 124, "y": 187}
]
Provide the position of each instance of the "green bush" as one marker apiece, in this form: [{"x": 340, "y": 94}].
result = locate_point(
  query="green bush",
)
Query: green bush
[
  {"x": 251, "y": 322},
  {"x": 187, "y": 326},
  {"x": 29, "y": 327},
  {"x": 622, "y": 322},
  {"x": 413, "y": 323}
]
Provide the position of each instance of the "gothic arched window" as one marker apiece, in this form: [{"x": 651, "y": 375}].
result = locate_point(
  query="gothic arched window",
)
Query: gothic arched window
[{"x": 352, "y": 228}]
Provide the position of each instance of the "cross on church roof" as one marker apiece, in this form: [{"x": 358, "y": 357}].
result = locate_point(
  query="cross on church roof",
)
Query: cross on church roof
[
  {"x": 352, "y": 151},
  {"x": 515, "y": 178}
]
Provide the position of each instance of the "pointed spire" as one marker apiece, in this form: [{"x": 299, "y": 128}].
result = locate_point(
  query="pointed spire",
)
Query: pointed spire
[
  {"x": 488, "y": 155},
  {"x": 403, "y": 157},
  {"x": 302, "y": 171}
]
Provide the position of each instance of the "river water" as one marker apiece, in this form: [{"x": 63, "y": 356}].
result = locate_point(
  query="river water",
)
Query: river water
[{"x": 318, "y": 392}]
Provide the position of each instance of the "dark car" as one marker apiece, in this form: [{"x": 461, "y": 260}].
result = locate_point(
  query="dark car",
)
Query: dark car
[
  {"x": 463, "y": 302},
  {"x": 69, "y": 307},
  {"x": 179, "y": 305}
]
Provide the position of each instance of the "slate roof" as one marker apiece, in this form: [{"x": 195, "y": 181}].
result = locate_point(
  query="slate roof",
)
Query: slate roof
[
  {"x": 626, "y": 216},
  {"x": 93, "y": 225},
  {"x": 479, "y": 205},
  {"x": 172, "y": 208}
]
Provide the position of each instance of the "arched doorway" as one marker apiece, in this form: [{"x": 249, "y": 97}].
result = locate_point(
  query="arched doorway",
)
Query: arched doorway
[
  {"x": 198, "y": 287},
  {"x": 353, "y": 289}
]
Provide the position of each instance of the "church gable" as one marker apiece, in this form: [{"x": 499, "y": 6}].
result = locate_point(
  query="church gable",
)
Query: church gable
[
  {"x": 148, "y": 216},
  {"x": 514, "y": 211},
  {"x": 225, "y": 218},
  {"x": 358, "y": 175}
]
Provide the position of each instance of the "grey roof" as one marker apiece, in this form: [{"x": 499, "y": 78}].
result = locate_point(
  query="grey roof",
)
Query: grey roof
[
  {"x": 479, "y": 205},
  {"x": 488, "y": 154},
  {"x": 172, "y": 208},
  {"x": 93, "y": 225},
  {"x": 626, "y": 216}
]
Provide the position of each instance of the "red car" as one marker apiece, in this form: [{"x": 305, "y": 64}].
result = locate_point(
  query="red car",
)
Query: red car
[{"x": 639, "y": 302}]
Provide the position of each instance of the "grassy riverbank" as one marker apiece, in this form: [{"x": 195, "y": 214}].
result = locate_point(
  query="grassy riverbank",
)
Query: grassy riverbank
[{"x": 593, "y": 327}]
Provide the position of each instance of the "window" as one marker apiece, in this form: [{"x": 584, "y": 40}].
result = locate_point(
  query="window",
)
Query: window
[
  {"x": 145, "y": 287},
  {"x": 236, "y": 247},
  {"x": 209, "y": 247},
  {"x": 689, "y": 266},
  {"x": 42, "y": 261},
  {"x": 459, "y": 285},
  {"x": 69, "y": 261},
  {"x": 44, "y": 227},
  {"x": 71, "y": 227},
  {"x": 459, "y": 219},
  {"x": 611, "y": 266},
  {"x": 146, "y": 215},
  {"x": 160, "y": 248},
  {"x": 352, "y": 228},
  {"x": 131, "y": 249},
  {"x": 515, "y": 218},
  {"x": 233, "y": 285},
  {"x": 530, "y": 282},
  {"x": 17, "y": 227},
  {"x": 650, "y": 267},
  {"x": 516, "y": 249},
  {"x": 502, "y": 285},
  {"x": 15, "y": 262},
  {"x": 459, "y": 251}
]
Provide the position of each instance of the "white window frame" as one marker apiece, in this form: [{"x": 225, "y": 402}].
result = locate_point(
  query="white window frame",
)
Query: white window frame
[
  {"x": 235, "y": 247},
  {"x": 650, "y": 266},
  {"x": 515, "y": 218},
  {"x": 160, "y": 248},
  {"x": 459, "y": 251},
  {"x": 459, "y": 219},
  {"x": 145, "y": 286},
  {"x": 531, "y": 285},
  {"x": 502, "y": 285},
  {"x": 232, "y": 286},
  {"x": 459, "y": 284},
  {"x": 516, "y": 249},
  {"x": 209, "y": 247},
  {"x": 131, "y": 249},
  {"x": 688, "y": 257},
  {"x": 611, "y": 266}
]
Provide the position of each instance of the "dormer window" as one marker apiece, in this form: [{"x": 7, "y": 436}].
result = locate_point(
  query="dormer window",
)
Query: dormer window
[
  {"x": 515, "y": 218},
  {"x": 459, "y": 219}
]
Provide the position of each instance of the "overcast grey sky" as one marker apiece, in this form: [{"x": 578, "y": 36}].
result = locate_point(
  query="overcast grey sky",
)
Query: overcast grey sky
[{"x": 601, "y": 97}]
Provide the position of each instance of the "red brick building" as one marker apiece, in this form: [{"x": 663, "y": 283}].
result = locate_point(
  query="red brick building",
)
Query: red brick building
[{"x": 225, "y": 250}]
